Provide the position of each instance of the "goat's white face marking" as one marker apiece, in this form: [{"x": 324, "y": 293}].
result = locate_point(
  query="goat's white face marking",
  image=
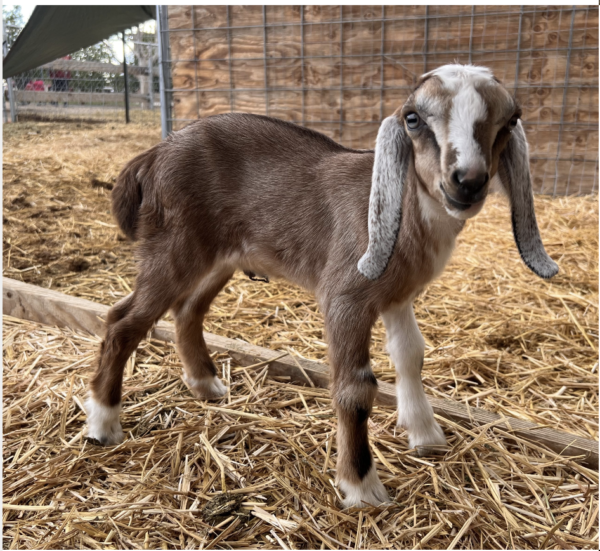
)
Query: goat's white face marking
[
  {"x": 468, "y": 108},
  {"x": 465, "y": 113}
]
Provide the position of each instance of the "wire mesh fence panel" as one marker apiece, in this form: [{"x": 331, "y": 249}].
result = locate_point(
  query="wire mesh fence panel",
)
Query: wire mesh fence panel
[
  {"x": 342, "y": 69},
  {"x": 86, "y": 86}
]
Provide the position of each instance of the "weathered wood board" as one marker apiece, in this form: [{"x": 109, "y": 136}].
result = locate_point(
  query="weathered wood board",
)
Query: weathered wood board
[
  {"x": 341, "y": 69},
  {"x": 21, "y": 300},
  {"x": 95, "y": 66},
  {"x": 84, "y": 98}
]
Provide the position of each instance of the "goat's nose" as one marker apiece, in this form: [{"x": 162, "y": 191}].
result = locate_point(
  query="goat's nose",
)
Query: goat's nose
[{"x": 470, "y": 181}]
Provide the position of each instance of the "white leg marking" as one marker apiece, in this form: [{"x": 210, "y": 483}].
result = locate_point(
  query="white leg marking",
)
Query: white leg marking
[
  {"x": 406, "y": 347},
  {"x": 210, "y": 388},
  {"x": 103, "y": 422},
  {"x": 369, "y": 491}
]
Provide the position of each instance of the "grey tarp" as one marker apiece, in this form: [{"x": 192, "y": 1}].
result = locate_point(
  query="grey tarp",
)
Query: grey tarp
[{"x": 55, "y": 31}]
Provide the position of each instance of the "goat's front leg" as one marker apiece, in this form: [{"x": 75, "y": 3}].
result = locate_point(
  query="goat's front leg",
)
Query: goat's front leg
[
  {"x": 353, "y": 390},
  {"x": 406, "y": 347}
]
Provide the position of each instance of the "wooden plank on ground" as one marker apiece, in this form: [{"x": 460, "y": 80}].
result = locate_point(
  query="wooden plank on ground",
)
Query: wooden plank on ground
[{"x": 24, "y": 301}]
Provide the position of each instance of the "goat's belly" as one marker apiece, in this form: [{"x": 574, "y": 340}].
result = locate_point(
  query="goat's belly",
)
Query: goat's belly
[{"x": 288, "y": 263}]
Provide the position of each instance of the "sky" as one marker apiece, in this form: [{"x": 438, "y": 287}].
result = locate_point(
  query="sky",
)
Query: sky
[{"x": 26, "y": 9}]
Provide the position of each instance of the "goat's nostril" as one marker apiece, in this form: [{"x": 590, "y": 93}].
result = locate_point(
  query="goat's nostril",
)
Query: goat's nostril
[
  {"x": 470, "y": 180},
  {"x": 457, "y": 177}
]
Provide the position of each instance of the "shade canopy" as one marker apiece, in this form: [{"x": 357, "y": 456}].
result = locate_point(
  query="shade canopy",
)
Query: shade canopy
[{"x": 55, "y": 31}]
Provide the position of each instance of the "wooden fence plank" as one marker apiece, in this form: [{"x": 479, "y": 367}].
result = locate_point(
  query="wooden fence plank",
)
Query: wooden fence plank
[
  {"x": 86, "y": 98},
  {"x": 94, "y": 66},
  {"x": 25, "y": 301},
  {"x": 323, "y": 67}
]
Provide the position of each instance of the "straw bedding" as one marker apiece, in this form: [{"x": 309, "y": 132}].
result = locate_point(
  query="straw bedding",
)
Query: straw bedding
[{"x": 497, "y": 337}]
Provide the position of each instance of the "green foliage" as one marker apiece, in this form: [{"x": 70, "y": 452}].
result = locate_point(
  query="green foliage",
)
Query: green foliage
[
  {"x": 92, "y": 81},
  {"x": 13, "y": 17},
  {"x": 98, "y": 52}
]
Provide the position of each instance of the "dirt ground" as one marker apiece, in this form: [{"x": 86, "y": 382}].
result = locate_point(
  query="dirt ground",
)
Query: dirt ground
[{"x": 489, "y": 325}]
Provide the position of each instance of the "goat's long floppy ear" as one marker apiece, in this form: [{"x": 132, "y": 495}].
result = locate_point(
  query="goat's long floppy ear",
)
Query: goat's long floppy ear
[
  {"x": 392, "y": 154},
  {"x": 516, "y": 179}
]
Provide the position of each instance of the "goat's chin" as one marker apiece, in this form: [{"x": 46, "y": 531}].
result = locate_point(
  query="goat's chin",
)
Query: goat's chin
[{"x": 465, "y": 214}]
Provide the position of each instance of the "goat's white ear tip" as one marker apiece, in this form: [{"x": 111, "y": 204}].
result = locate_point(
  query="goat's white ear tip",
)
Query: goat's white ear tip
[{"x": 367, "y": 267}]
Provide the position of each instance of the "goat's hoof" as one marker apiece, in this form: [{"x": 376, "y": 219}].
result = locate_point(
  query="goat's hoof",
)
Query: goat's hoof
[
  {"x": 429, "y": 440},
  {"x": 104, "y": 426},
  {"x": 210, "y": 388},
  {"x": 423, "y": 451},
  {"x": 105, "y": 440},
  {"x": 106, "y": 437},
  {"x": 368, "y": 492}
]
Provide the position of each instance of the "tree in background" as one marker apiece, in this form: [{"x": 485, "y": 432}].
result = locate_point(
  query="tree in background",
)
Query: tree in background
[
  {"x": 93, "y": 81},
  {"x": 13, "y": 18}
]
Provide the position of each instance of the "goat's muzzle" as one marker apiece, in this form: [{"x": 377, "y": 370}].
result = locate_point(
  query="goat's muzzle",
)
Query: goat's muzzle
[
  {"x": 468, "y": 186},
  {"x": 462, "y": 203}
]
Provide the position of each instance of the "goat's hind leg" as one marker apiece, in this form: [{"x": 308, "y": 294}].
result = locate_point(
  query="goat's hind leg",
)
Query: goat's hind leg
[
  {"x": 199, "y": 372},
  {"x": 406, "y": 348},
  {"x": 127, "y": 324}
]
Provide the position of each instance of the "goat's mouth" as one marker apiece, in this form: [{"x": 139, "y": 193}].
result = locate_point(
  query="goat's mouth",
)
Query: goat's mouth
[{"x": 468, "y": 209}]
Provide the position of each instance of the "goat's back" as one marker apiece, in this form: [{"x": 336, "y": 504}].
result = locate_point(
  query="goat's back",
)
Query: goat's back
[{"x": 257, "y": 185}]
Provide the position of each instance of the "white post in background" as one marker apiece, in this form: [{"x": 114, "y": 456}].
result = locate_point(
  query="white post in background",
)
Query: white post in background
[{"x": 9, "y": 81}]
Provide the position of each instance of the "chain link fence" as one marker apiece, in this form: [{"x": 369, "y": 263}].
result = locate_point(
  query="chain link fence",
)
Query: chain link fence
[{"x": 90, "y": 84}]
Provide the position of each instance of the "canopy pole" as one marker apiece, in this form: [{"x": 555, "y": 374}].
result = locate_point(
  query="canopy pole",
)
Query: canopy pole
[
  {"x": 126, "y": 83},
  {"x": 163, "y": 56}
]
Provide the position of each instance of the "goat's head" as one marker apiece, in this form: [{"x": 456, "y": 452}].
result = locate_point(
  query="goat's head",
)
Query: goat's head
[{"x": 461, "y": 127}]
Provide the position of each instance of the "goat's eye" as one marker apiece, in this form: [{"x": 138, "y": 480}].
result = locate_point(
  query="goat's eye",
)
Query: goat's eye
[
  {"x": 413, "y": 121},
  {"x": 513, "y": 122}
]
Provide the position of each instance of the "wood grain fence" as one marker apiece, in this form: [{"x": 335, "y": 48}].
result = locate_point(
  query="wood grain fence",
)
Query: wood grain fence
[{"x": 342, "y": 69}]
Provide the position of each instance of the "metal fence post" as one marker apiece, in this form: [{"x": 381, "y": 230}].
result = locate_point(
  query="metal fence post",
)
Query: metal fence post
[
  {"x": 163, "y": 56},
  {"x": 426, "y": 40},
  {"x": 151, "y": 84},
  {"x": 518, "y": 51},
  {"x": 126, "y": 82},
  {"x": 264, "y": 14},
  {"x": 9, "y": 81},
  {"x": 564, "y": 107},
  {"x": 11, "y": 99}
]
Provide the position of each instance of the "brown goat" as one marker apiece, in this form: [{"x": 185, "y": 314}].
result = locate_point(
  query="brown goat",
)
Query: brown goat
[{"x": 253, "y": 193}]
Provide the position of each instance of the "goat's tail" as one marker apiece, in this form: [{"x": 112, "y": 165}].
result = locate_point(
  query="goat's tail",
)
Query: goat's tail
[{"x": 133, "y": 181}]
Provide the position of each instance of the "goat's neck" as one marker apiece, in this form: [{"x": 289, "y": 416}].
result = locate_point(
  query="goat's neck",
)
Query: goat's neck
[{"x": 427, "y": 242}]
